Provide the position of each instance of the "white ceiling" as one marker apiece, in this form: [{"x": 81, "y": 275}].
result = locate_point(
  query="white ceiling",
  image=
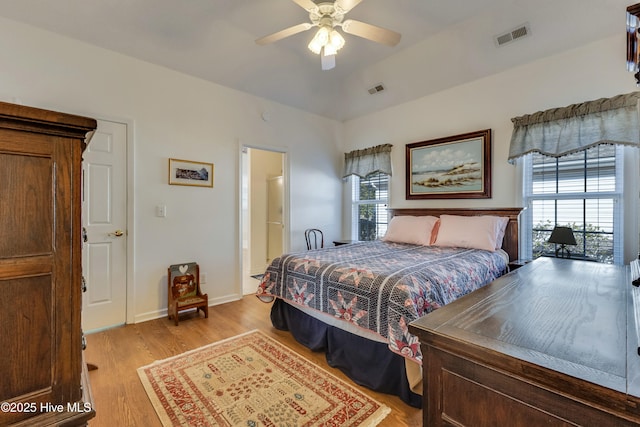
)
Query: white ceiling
[{"x": 444, "y": 42}]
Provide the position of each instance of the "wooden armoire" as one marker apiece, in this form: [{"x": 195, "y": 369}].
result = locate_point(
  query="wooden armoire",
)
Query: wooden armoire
[{"x": 43, "y": 378}]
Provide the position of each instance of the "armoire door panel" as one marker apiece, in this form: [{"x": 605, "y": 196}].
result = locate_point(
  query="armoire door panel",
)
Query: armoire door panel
[
  {"x": 26, "y": 205},
  {"x": 27, "y": 301}
]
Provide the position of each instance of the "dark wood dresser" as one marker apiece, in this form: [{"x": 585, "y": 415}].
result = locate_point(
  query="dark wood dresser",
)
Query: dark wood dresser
[
  {"x": 43, "y": 377},
  {"x": 552, "y": 343}
]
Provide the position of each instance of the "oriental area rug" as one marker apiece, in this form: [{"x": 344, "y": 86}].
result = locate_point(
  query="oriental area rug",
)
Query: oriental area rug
[{"x": 252, "y": 380}]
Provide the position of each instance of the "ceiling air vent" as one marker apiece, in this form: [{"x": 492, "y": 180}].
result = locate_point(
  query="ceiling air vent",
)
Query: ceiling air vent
[
  {"x": 375, "y": 89},
  {"x": 512, "y": 35}
]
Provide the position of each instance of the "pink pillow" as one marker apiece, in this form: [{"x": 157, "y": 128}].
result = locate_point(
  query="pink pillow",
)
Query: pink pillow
[
  {"x": 410, "y": 229},
  {"x": 476, "y": 232}
]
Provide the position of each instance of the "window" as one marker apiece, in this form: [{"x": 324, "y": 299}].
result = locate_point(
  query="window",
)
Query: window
[
  {"x": 369, "y": 197},
  {"x": 583, "y": 191}
]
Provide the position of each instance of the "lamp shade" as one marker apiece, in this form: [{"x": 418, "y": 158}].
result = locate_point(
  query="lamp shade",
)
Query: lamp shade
[
  {"x": 562, "y": 236},
  {"x": 336, "y": 40},
  {"x": 319, "y": 40}
]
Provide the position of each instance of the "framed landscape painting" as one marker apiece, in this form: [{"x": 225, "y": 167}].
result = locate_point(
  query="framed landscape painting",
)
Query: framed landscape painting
[
  {"x": 185, "y": 172},
  {"x": 455, "y": 167}
]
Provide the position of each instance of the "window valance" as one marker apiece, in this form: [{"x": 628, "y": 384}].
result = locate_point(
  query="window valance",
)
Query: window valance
[
  {"x": 561, "y": 131},
  {"x": 367, "y": 161}
]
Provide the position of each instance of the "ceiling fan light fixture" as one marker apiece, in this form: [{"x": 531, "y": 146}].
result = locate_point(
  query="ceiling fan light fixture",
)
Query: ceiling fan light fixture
[
  {"x": 329, "y": 49},
  {"x": 315, "y": 47},
  {"x": 319, "y": 40},
  {"x": 327, "y": 38},
  {"x": 336, "y": 40}
]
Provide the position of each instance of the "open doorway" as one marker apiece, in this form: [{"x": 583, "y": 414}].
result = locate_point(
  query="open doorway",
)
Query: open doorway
[{"x": 265, "y": 204}]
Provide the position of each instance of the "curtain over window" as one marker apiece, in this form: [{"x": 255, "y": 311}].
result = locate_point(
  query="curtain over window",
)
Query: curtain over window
[
  {"x": 561, "y": 131},
  {"x": 367, "y": 161}
]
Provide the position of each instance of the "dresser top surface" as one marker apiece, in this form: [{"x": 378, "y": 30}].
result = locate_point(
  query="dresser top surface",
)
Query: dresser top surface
[{"x": 565, "y": 315}]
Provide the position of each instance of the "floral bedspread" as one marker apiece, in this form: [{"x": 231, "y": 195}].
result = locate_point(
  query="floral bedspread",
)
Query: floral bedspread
[{"x": 380, "y": 286}]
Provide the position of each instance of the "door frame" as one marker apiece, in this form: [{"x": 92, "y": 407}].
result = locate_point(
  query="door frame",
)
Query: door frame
[
  {"x": 130, "y": 169},
  {"x": 242, "y": 147}
]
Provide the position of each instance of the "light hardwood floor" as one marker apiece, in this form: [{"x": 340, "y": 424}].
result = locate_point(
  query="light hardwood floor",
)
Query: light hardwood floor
[{"x": 119, "y": 398}]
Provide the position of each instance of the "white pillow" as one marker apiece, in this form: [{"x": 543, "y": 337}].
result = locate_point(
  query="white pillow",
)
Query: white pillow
[
  {"x": 476, "y": 232},
  {"x": 501, "y": 223},
  {"x": 410, "y": 229}
]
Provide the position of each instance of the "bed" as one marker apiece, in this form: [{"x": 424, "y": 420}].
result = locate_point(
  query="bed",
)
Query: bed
[{"x": 354, "y": 302}]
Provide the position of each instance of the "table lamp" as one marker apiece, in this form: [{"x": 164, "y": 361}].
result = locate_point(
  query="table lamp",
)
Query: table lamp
[{"x": 562, "y": 236}]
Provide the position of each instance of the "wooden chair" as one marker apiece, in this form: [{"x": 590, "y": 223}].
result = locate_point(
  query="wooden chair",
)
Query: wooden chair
[
  {"x": 184, "y": 290},
  {"x": 314, "y": 238}
]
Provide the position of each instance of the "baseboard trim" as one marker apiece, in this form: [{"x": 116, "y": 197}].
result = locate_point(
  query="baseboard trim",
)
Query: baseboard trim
[{"x": 151, "y": 315}]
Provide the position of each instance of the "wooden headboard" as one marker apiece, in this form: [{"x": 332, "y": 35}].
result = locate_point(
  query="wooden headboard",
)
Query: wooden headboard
[{"x": 510, "y": 242}]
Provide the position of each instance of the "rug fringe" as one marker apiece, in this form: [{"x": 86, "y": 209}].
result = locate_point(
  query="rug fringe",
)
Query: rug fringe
[{"x": 380, "y": 414}]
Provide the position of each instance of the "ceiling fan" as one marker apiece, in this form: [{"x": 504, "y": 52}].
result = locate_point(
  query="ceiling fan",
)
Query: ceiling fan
[{"x": 327, "y": 41}]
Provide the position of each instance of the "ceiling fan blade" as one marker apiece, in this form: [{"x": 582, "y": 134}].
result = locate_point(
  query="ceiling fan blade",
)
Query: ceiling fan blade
[
  {"x": 284, "y": 33},
  {"x": 371, "y": 32},
  {"x": 345, "y": 6},
  {"x": 307, "y": 5}
]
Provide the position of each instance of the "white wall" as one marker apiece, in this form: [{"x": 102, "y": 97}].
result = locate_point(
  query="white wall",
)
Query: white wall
[
  {"x": 593, "y": 71},
  {"x": 174, "y": 115}
]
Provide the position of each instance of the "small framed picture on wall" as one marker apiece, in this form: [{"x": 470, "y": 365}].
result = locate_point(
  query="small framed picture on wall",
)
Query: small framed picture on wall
[{"x": 186, "y": 172}]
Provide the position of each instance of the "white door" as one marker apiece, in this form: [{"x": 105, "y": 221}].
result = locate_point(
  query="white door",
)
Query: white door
[{"x": 104, "y": 217}]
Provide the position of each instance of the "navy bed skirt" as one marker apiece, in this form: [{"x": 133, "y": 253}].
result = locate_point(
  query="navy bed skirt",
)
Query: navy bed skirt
[{"x": 368, "y": 363}]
